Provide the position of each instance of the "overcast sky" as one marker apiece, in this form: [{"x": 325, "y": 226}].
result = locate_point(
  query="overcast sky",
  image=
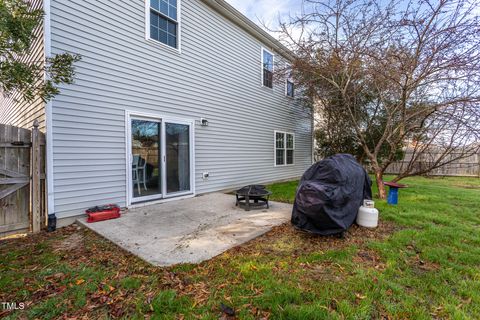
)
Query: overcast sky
[{"x": 266, "y": 11}]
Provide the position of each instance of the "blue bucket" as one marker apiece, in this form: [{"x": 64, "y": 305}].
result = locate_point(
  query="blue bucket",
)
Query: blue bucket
[{"x": 392, "y": 196}]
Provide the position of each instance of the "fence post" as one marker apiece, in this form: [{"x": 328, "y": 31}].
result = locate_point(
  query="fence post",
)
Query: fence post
[{"x": 36, "y": 172}]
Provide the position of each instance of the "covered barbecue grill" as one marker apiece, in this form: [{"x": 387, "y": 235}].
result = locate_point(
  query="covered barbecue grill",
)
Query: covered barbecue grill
[{"x": 330, "y": 194}]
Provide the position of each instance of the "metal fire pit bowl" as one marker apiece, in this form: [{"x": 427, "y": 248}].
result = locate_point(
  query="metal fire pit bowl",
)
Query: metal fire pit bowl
[{"x": 253, "y": 195}]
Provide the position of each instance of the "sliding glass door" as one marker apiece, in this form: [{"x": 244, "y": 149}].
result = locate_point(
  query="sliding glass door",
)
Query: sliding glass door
[
  {"x": 160, "y": 158},
  {"x": 146, "y": 176},
  {"x": 177, "y": 142}
]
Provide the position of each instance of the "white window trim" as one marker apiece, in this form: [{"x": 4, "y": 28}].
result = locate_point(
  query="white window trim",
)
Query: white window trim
[
  {"x": 261, "y": 66},
  {"x": 178, "y": 49},
  {"x": 285, "y": 148}
]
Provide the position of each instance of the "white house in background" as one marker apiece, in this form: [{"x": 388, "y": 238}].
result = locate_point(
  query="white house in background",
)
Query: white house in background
[{"x": 171, "y": 99}]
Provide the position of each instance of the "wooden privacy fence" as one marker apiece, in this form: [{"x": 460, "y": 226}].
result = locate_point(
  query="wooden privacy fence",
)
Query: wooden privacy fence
[
  {"x": 22, "y": 180},
  {"x": 466, "y": 167}
]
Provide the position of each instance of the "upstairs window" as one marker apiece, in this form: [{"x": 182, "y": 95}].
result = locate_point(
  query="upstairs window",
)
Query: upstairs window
[
  {"x": 164, "y": 22},
  {"x": 284, "y": 148},
  {"x": 289, "y": 85},
  {"x": 267, "y": 68}
]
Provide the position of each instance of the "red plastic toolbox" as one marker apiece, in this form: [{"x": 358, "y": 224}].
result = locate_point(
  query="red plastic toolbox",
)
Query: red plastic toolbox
[{"x": 103, "y": 213}]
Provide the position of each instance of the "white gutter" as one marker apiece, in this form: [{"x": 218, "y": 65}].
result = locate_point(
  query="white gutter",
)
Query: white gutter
[{"x": 47, "y": 34}]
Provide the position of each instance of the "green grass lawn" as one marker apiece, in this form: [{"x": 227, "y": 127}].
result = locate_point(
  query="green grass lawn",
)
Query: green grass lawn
[{"x": 423, "y": 262}]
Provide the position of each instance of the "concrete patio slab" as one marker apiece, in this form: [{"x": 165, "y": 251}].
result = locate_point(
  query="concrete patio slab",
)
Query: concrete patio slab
[{"x": 189, "y": 230}]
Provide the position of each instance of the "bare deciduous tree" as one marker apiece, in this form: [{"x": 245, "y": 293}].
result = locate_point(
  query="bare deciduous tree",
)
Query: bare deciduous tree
[{"x": 394, "y": 74}]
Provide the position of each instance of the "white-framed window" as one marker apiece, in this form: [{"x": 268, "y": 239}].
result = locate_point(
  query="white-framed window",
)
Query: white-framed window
[
  {"x": 163, "y": 22},
  {"x": 268, "y": 60},
  {"x": 289, "y": 84},
  {"x": 284, "y": 147}
]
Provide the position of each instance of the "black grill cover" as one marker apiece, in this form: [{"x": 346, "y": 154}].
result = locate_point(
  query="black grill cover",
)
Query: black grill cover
[{"x": 329, "y": 195}]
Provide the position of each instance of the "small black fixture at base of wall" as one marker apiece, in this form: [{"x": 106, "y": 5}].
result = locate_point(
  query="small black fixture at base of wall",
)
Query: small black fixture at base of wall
[{"x": 52, "y": 223}]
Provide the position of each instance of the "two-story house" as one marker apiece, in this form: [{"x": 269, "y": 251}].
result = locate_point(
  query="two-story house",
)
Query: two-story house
[{"x": 172, "y": 98}]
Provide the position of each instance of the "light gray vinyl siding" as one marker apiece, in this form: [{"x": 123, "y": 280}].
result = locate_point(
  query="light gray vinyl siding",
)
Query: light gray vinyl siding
[
  {"x": 216, "y": 76},
  {"x": 14, "y": 110}
]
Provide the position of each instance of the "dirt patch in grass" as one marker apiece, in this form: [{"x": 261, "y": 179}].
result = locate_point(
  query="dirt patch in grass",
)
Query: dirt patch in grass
[
  {"x": 416, "y": 263},
  {"x": 369, "y": 258},
  {"x": 71, "y": 242},
  {"x": 420, "y": 266},
  {"x": 287, "y": 240},
  {"x": 324, "y": 271}
]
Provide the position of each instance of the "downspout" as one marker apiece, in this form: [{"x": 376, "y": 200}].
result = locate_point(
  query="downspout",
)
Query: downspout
[{"x": 48, "y": 110}]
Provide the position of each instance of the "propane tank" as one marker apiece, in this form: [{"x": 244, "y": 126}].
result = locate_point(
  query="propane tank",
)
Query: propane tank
[{"x": 367, "y": 215}]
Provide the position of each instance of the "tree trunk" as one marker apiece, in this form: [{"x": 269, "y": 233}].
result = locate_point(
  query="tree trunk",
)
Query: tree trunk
[{"x": 382, "y": 194}]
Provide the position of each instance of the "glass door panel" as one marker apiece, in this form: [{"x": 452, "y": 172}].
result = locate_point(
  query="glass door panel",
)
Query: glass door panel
[
  {"x": 146, "y": 159},
  {"x": 177, "y": 149}
]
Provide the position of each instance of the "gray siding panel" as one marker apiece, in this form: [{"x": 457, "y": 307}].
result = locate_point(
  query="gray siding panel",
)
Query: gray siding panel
[
  {"x": 216, "y": 76},
  {"x": 14, "y": 110}
]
